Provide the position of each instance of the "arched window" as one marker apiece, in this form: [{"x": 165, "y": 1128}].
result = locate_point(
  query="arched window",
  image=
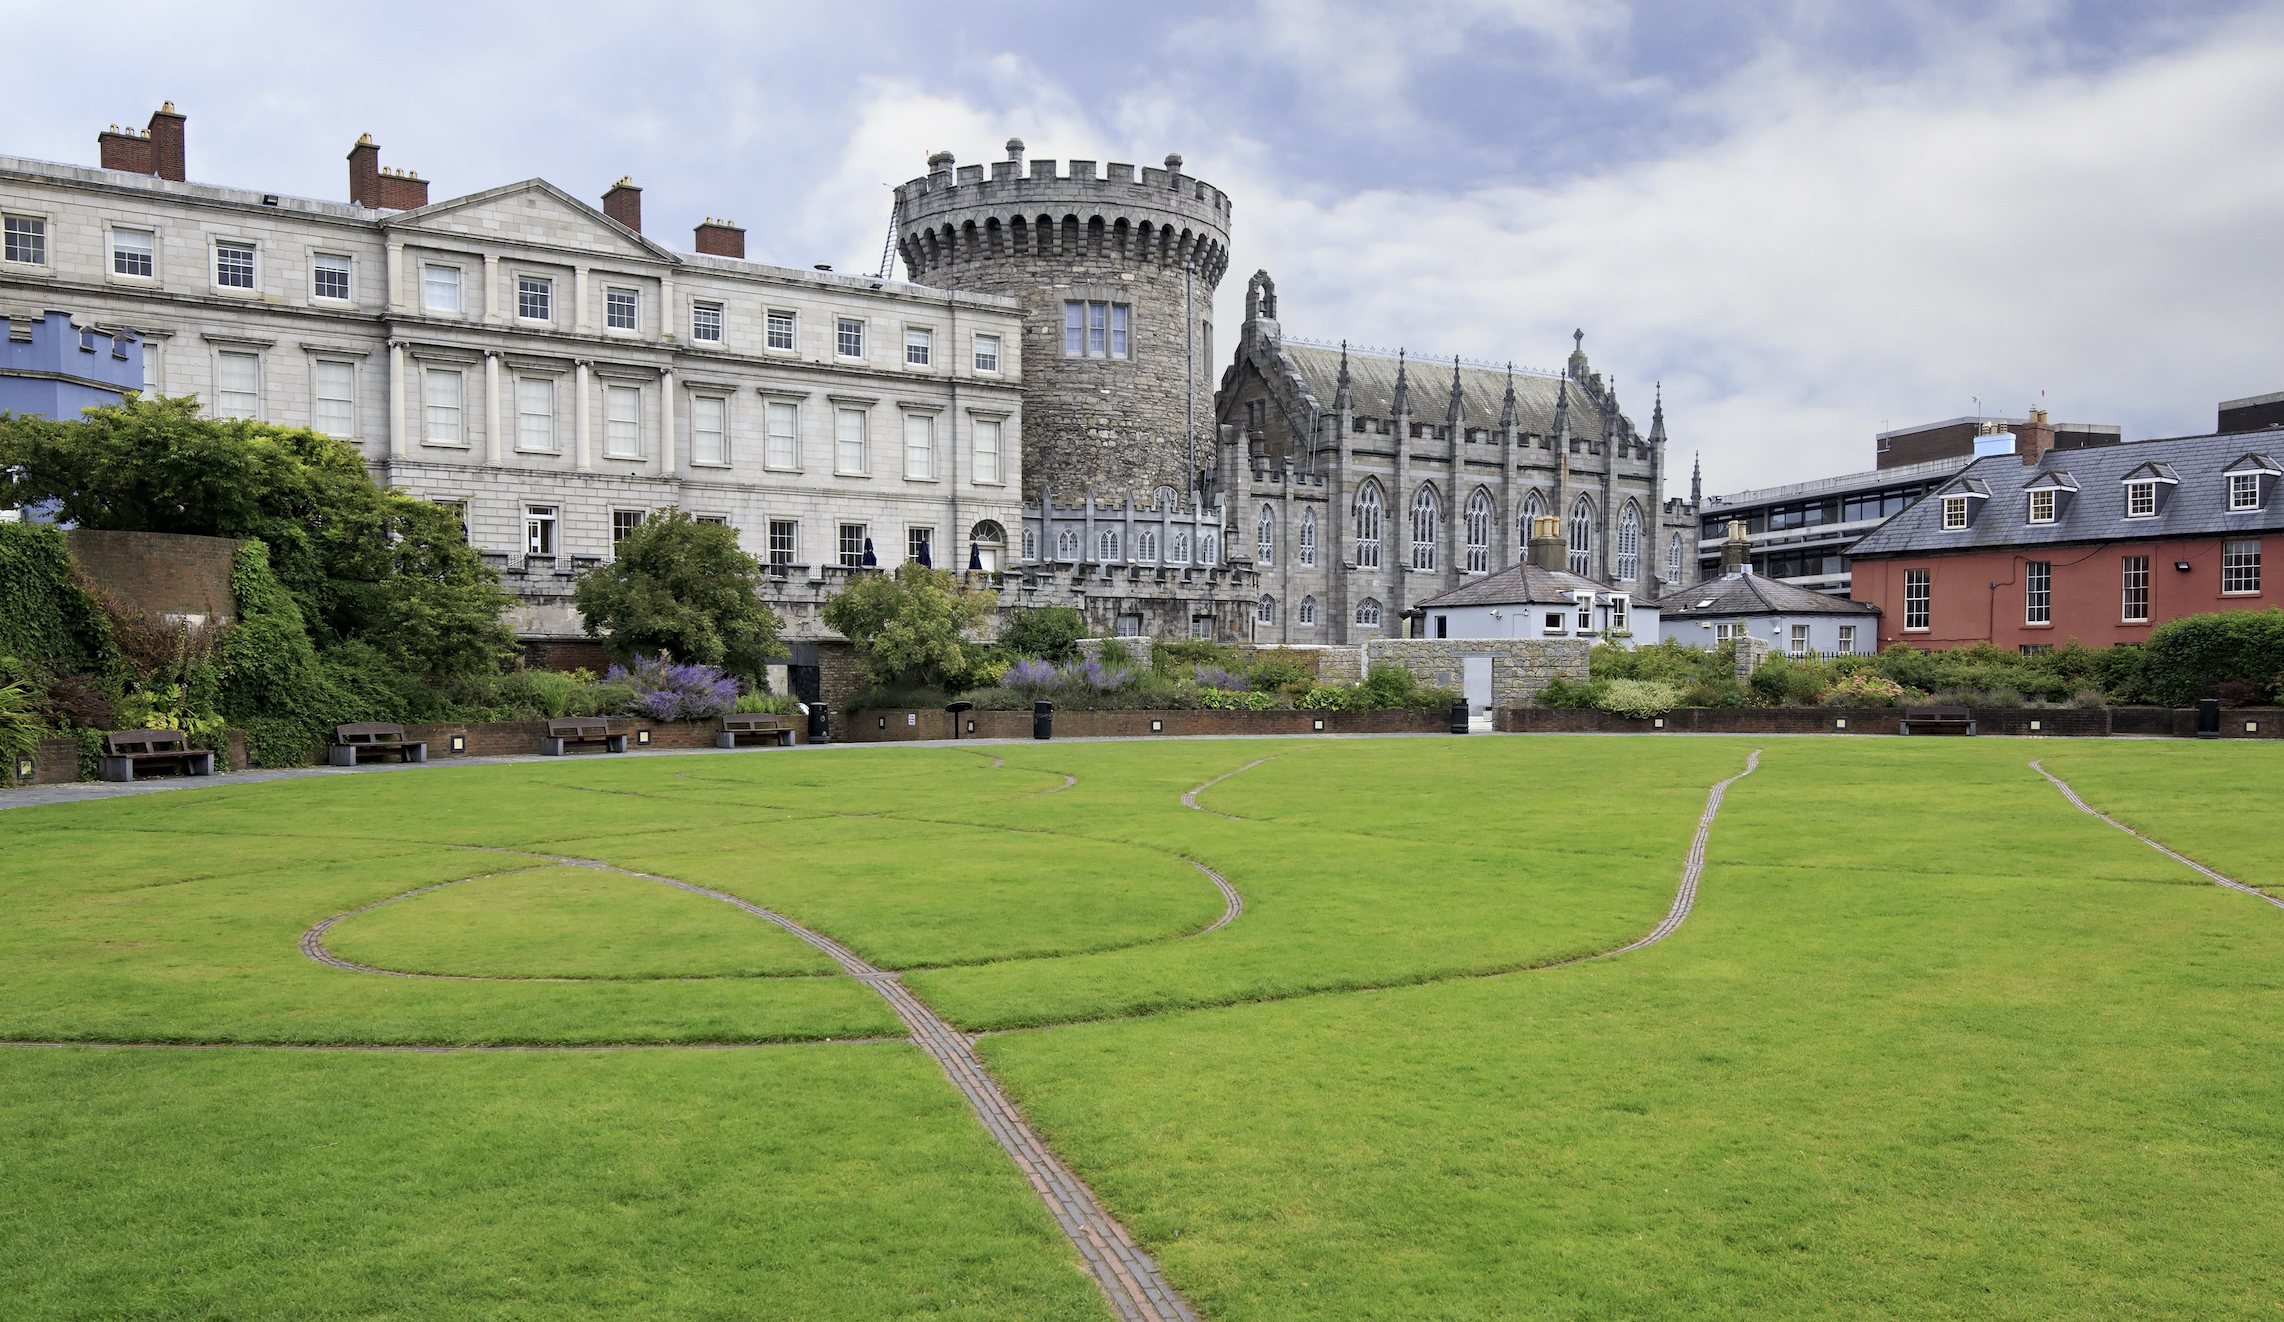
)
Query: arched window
[
  {"x": 1424, "y": 523},
  {"x": 1629, "y": 543},
  {"x": 1582, "y": 538},
  {"x": 1479, "y": 533},
  {"x": 1067, "y": 544},
  {"x": 1673, "y": 560},
  {"x": 1107, "y": 545},
  {"x": 1368, "y": 612},
  {"x": 1533, "y": 508},
  {"x": 987, "y": 532},
  {"x": 1308, "y": 537},
  {"x": 1308, "y": 610},
  {"x": 1209, "y": 549},
  {"x": 1030, "y": 545},
  {"x": 1267, "y": 614},
  {"x": 1179, "y": 553},
  {"x": 1368, "y": 526},
  {"x": 1146, "y": 545},
  {"x": 1165, "y": 498},
  {"x": 1265, "y": 537}
]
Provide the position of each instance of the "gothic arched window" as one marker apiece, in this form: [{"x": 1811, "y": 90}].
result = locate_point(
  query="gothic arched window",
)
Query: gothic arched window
[
  {"x": 1368, "y": 612},
  {"x": 1067, "y": 544},
  {"x": 1673, "y": 560},
  {"x": 1368, "y": 526},
  {"x": 1146, "y": 544},
  {"x": 1030, "y": 545},
  {"x": 1308, "y": 610},
  {"x": 1424, "y": 523},
  {"x": 1629, "y": 544},
  {"x": 1108, "y": 545},
  {"x": 1479, "y": 533},
  {"x": 1165, "y": 498},
  {"x": 1179, "y": 552},
  {"x": 1533, "y": 508},
  {"x": 1308, "y": 537},
  {"x": 1582, "y": 538},
  {"x": 1265, "y": 537},
  {"x": 1209, "y": 549},
  {"x": 1267, "y": 614}
]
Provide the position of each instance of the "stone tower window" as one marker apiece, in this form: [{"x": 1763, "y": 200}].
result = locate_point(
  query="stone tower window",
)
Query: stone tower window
[
  {"x": 1308, "y": 537},
  {"x": 1265, "y": 537},
  {"x": 1368, "y": 528},
  {"x": 1479, "y": 533},
  {"x": 1425, "y": 521},
  {"x": 1095, "y": 330}
]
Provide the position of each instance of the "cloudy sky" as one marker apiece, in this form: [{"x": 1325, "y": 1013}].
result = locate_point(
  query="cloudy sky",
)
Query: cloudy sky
[{"x": 1810, "y": 221}]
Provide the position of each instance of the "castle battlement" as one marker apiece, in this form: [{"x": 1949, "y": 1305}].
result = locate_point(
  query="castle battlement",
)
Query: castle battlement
[{"x": 947, "y": 186}]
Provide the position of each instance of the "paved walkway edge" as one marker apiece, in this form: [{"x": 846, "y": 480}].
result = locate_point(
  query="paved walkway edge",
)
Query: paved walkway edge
[{"x": 2183, "y": 859}]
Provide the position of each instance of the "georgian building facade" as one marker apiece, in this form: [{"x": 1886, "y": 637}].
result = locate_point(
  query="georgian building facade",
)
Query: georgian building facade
[{"x": 545, "y": 366}]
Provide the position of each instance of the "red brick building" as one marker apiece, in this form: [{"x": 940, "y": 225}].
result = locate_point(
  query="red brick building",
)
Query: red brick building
[{"x": 2100, "y": 545}]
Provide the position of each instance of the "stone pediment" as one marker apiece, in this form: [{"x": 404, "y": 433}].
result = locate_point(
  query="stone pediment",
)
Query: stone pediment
[{"x": 534, "y": 213}]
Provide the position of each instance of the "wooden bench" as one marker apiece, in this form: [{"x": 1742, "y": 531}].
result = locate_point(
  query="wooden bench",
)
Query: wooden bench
[
  {"x": 127, "y": 750},
  {"x": 1938, "y": 720},
  {"x": 776, "y": 729},
  {"x": 580, "y": 730},
  {"x": 353, "y": 741}
]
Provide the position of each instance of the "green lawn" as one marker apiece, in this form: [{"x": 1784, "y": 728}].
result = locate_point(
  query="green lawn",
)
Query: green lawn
[{"x": 1933, "y": 1043}]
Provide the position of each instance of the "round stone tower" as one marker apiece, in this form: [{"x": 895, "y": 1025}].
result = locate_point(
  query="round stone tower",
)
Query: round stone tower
[{"x": 1116, "y": 273}]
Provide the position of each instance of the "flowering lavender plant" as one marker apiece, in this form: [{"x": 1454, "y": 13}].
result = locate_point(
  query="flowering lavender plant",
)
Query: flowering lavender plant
[
  {"x": 1094, "y": 675},
  {"x": 669, "y": 692},
  {"x": 1031, "y": 674},
  {"x": 1214, "y": 677}
]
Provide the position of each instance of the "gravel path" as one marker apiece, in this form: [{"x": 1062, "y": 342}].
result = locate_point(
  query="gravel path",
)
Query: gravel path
[
  {"x": 2183, "y": 859},
  {"x": 1190, "y": 797}
]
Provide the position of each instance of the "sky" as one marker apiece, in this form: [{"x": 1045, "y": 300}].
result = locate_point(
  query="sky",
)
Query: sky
[{"x": 1809, "y": 222}]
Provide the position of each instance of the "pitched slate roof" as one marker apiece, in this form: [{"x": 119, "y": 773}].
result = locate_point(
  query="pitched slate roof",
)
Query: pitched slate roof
[
  {"x": 1754, "y": 594},
  {"x": 2196, "y": 507},
  {"x": 1482, "y": 391},
  {"x": 1516, "y": 585}
]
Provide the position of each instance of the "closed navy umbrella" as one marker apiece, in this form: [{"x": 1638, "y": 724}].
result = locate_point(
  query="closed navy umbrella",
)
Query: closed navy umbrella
[
  {"x": 975, "y": 557},
  {"x": 870, "y": 561},
  {"x": 925, "y": 561}
]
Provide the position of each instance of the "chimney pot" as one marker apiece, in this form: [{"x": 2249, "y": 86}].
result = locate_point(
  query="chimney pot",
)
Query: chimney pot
[
  {"x": 624, "y": 203},
  {"x": 167, "y": 154}
]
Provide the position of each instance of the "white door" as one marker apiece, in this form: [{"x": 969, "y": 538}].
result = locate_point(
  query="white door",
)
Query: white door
[{"x": 1476, "y": 671}]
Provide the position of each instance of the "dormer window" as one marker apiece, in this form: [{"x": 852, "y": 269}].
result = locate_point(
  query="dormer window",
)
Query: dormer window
[
  {"x": 2249, "y": 479},
  {"x": 1954, "y": 513},
  {"x": 2243, "y": 491},
  {"x": 2042, "y": 506},
  {"x": 2141, "y": 500}
]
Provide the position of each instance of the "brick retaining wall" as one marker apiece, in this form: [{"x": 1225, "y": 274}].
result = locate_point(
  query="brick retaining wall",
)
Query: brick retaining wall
[
  {"x": 904, "y": 725},
  {"x": 521, "y": 738}
]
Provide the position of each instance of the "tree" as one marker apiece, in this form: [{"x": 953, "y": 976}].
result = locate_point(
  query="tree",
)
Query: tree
[
  {"x": 911, "y": 628},
  {"x": 437, "y": 610},
  {"x": 683, "y": 588},
  {"x": 1050, "y": 633}
]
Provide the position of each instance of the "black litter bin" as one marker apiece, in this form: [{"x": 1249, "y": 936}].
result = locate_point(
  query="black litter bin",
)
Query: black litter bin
[
  {"x": 1459, "y": 719},
  {"x": 820, "y": 723},
  {"x": 1042, "y": 720},
  {"x": 2208, "y": 718}
]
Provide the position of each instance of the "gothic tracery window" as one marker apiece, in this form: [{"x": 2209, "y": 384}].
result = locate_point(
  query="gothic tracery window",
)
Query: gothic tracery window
[
  {"x": 1533, "y": 508},
  {"x": 1265, "y": 536},
  {"x": 1267, "y": 614},
  {"x": 1479, "y": 533},
  {"x": 1582, "y": 538},
  {"x": 1368, "y": 527},
  {"x": 1067, "y": 544},
  {"x": 1424, "y": 528},
  {"x": 1629, "y": 544},
  {"x": 1368, "y": 612},
  {"x": 1673, "y": 560},
  {"x": 1308, "y": 610},
  {"x": 1308, "y": 537}
]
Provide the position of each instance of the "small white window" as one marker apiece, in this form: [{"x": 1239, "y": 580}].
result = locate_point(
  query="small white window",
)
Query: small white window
[
  {"x": 1201, "y": 627},
  {"x": 919, "y": 348},
  {"x": 919, "y": 445},
  {"x": 234, "y": 265},
  {"x": 848, "y": 338},
  {"x": 237, "y": 385},
  {"x": 706, "y": 322},
  {"x": 2042, "y": 505},
  {"x": 151, "y": 375},
  {"x": 1146, "y": 545},
  {"x": 539, "y": 530},
  {"x": 709, "y": 430},
  {"x": 534, "y": 298},
  {"x": 987, "y": 450},
  {"x": 133, "y": 253},
  {"x": 1209, "y": 548},
  {"x": 622, "y": 309},
  {"x": 1178, "y": 548},
  {"x": 622, "y": 422},
  {"x": 1067, "y": 544},
  {"x": 1799, "y": 648},
  {"x": 334, "y": 410},
  {"x": 26, "y": 240},
  {"x": 1107, "y": 548},
  {"x": 853, "y": 539},
  {"x": 2140, "y": 500},
  {"x": 623, "y": 525},
  {"x": 987, "y": 353},
  {"x": 780, "y": 329},
  {"x": 1847, "y": 639},
  {"x": 848, "y": 441},
  {"x": 2243, "y": 491},
  {"x": 440, "y": 289},
  {"x": 918, "y": 544},
  {"x": 1918, "y": 598},
  {"x": 535, "y": 414},
  {"x": 329, "y": 277},
  {"x": 2240, "y": 567},
  {"x": 1030, "y": 545},
  {"x": 440, "y": 405},
  {"x": 783, "y": 437},
  {"x": 1954, "y": 513},
  {"x": 784, "y": 540}
]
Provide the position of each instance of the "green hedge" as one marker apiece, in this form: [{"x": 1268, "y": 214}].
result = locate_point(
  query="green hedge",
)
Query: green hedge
[{"x": 46, "y": 618}]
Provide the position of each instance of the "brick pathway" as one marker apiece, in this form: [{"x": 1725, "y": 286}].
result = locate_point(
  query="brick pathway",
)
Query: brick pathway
[{"x": 2183, "y": 859}]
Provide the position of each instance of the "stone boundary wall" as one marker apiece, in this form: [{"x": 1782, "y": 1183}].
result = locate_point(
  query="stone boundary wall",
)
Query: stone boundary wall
[
  {"x": 173, "y": 575},
  {"x": 1520, "y": 667},
  {"x": 905, "y": 725}
]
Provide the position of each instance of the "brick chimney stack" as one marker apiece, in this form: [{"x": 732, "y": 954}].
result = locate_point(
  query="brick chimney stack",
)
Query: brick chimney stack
[
  {"x": 376, "y": 189},
  {"x": 157, "y": 150},
  {"x": 1737, "y": 551},
  {"x": 624, "y": 203},
  {"x": 2034, "y": 438},
  {"x": 1547, "y": 548},
  {"x": 721, "y": 238}
]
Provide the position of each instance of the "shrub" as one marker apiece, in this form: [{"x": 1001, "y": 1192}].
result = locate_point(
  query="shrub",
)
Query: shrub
[
  {"x": 1284, "y": 676},
  {"x": 1214, "y": 677},
  {"x": 682, "y": 589},
  {"x": 1563, "y": 692},
  {"x": 666, "y": 691},
  {"x": 2237, "y": 692},
  {"x": 910, "y": 627},
  {"x": 1864, "y": 690},
  {"x": 1722, "y": 692},
  {"x": 768, "y": 704},
  {"x": 2187, "y": 658},
  {"x": 1050, "y": 633},
  {"x": 1330, "y": 697},
  {"x": 1640, "y": 698},
  {"x": 20, "y": 727},
  {"x": 1172, "y": 658}
]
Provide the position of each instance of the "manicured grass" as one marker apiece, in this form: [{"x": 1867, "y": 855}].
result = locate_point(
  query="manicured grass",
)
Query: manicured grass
[
  {"x": 843, "y": 1182},
  {"x": 570, "y": 923},
  {"x": 1933, "y": 1044}
]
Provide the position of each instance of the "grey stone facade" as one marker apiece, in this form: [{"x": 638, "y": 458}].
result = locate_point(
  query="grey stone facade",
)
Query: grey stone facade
[
  {"x": 1519, "y": 667},
  {"x": 1152, "y": 242}
]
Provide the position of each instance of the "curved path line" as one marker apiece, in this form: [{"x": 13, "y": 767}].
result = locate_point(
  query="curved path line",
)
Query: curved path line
[
  {"x": 1068, "y": 781},
  {"x": 444, "y": 1049},
  {"x": 2183, "y": 859},
  {"x": 1685, "y": 898},
  {"x": 1234, "y": 904},
  {"x": 1190, "y": 797}
]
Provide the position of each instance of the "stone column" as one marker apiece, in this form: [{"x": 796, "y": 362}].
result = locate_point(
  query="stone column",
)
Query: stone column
[{"x": 583, "y": 454}]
